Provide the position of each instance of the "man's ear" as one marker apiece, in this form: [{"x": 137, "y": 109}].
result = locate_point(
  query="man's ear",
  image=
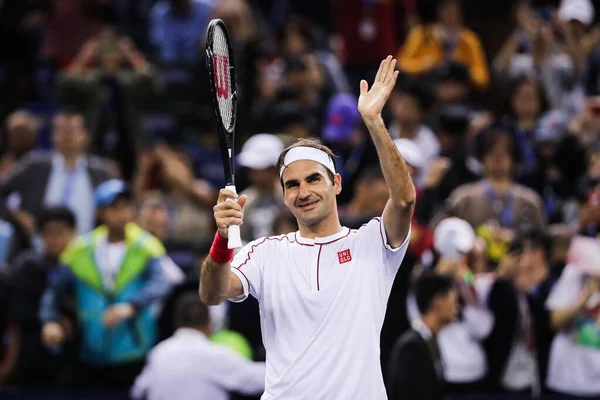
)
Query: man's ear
[{"x": 337, "y": 183}]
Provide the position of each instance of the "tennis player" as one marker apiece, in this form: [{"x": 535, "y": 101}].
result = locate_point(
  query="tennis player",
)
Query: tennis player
[{"x": 322, "y": 290}]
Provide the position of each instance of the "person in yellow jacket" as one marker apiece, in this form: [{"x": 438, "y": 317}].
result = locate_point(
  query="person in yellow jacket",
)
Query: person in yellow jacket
[{"x": 429, "y": 46}]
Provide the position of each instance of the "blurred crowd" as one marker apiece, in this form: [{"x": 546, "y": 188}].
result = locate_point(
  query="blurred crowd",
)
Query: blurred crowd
[{"x": 110, "y": 167}]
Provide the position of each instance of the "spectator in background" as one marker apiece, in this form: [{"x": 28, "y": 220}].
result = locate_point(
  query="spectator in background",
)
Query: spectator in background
[
  {"x": 365, "y": 34},
  {"x": 68, "y": 177},
  {"x": 533, "y": 51},
  {"x": 421, "y": 237},
  {"x": 415, "y": 368},
  {"x": 169, "y": 172},
  {"x": 547, "y": 178},
  {"x": 430, "y": 46},
  {"x": 589, "y": 196},
  {"x": 22, "y": 136},
  {"x": 296, "y": 36},
  {"x": 346, "y": 135},
  {"x": 265, "y": 197},
  {"x": 153, "y": 218},
  {"x": 176, "y": 29},
  {"x": 111, "y": 97},
  {"x": 368, "y": 199},
  {"x": 517, "y": 348},
  {"x": 116, "y": 274},
  {"x": 450, "y": 83},
  {"x": 188, "y": 365},
  {"x": 27, "y": 278},
  {"x": 68, "y": 24},
  {"x": 458, "y": 167},
  {"x": 575, "y": 352},
  {"x": 461, "y": 342},
  {"x": 409, "y": 105},
  {"x": 526, "y": 104},
  {"x": 496, "y": 206}
]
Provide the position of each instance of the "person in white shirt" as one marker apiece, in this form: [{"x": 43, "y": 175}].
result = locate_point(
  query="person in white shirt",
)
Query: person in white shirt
[
  {"x": 323, "y": 289},
  {"x": 188, "y": 366}
]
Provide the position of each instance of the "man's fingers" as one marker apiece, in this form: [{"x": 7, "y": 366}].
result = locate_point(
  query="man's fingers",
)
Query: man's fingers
[
  {"x": 229, "y": 213},
  {"x": 242, "y": 200},
  {"x": 385, "y": 66},
  {"x": 364, "y": 87},
  {"x": 228, "y": 205},
  {"x": 391, "y": 73},
  {"x": 378, "y": 76},
  {"x": 224, "y": 223},
  {"x": 224, "y": 194}
]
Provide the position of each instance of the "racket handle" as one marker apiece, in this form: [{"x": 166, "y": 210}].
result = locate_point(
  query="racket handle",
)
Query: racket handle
[{"x": 234, "y": 240}]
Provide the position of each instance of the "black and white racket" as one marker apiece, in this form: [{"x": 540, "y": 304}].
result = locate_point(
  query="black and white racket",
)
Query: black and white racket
[{"x": 221, "y": 73}]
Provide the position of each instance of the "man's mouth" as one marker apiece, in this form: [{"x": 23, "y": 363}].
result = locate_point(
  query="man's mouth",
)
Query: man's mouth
[{"x": 308, "y": 205}]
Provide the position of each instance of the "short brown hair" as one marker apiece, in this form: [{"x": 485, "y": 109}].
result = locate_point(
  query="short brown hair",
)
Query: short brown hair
[{"x": 307, "y": 142}]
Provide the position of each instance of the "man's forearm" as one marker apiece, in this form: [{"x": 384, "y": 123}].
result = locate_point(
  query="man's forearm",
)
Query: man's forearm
[
  {"x": 395, "y": 170},
  {"x": 215, "y": 280}
]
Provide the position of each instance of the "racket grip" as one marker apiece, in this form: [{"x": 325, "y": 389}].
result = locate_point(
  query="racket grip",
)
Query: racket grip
[{"x": 234, "y": 240}]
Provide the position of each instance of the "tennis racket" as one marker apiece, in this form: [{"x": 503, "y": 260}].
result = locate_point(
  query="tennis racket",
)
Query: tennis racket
[{"x": 221, "y": 74}]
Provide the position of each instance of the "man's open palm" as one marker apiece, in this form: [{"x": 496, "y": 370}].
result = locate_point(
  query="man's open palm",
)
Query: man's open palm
[{"x": 371, "y": 101}]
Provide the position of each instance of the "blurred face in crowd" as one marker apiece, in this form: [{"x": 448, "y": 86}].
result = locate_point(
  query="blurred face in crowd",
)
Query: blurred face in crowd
[
  {"x": 446, "y": 307},
  {"x": 118, "y": 214},
  {"x": 68, "y": 134},
  {"x": 154, "y": 219},
  {"x": 543, "y": 37},
  {"x": 294, "y": 42},
  {"x": 526, "y": 102},
  {"x": 406, "y": 109},
  {"x": 263, "y": 178},
  {"x": 56, "y": 235},
  {"x": 593, "y": 170},
  {"x": 22, "y": 132},
  {"x": 110, "y": 59},
  {"x": 309, "y": 193},
  {"x": 532, "y": 256},
  {"x": 498, "y": 160},
  {"x": 451, "y": 91},
  {"x": 372, "y": 196},
  {"x": 449, "y": 13}
]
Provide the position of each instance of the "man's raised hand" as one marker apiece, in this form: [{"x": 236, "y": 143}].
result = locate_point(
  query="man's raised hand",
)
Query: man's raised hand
[
  {"x": 229, "y": 212},
  {"x": 371, "y": 101}
]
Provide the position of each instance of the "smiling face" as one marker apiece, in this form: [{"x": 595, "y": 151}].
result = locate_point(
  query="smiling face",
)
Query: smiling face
[{"x": 309, "y": 192}]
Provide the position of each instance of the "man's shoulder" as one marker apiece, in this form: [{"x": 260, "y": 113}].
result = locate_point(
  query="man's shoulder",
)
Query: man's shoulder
[
  {"x": 266, "y": 242},
  {"x": 407, "y": 341}
]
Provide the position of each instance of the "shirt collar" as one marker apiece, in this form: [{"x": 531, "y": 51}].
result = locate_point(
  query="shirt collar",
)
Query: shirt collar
[
  {"x": 322, "y": 240},
  {"x": 58, "y": 161},
  {"x": 419, "y": 326},
  {"x": 190, "y": 332}
]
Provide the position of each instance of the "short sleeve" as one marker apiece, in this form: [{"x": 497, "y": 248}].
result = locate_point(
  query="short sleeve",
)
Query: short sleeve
[
  {"x": 372, "y": 236},
  {"x": 247, "y": 265},
  {"x": 567, "y": 289}
]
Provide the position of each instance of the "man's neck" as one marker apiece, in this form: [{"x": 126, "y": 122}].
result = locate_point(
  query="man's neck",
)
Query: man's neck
[
  {"x": 501, "y": 184},
  {"x": 70, "y": 160},
  {"x": 116, "y": 237},
  {"x": 329, "y": 226},
  {"x": 527, "y": 123},
  {"x": 408, "y": 131},
  {"x": 432, "y": 323}
]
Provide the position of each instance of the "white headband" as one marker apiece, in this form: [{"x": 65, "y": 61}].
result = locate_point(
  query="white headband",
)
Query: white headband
[{"x": 307, "y": 153}]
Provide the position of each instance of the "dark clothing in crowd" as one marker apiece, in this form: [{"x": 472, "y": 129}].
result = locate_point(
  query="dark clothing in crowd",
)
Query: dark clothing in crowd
[{"x": 414, "y": 369}]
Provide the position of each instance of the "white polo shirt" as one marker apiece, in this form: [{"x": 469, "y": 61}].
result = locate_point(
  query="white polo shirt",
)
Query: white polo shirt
[{"x": 322, "y": 305}]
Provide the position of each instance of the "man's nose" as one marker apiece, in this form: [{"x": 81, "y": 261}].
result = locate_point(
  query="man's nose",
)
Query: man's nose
[{"x": 303, "y": 191}]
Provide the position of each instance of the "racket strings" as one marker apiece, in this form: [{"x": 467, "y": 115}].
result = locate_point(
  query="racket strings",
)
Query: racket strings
[{"x": 222, "y": 77}]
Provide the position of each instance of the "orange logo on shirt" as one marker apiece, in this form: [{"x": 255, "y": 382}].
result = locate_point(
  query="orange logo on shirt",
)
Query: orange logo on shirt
[{"x": 344, "y": 256}]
